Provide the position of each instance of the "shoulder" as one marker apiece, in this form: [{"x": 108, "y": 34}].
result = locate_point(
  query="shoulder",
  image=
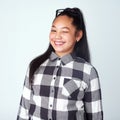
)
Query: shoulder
[{"x": 85, "y": 66}]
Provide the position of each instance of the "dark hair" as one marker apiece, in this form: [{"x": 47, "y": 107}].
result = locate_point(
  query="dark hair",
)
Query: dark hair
[{"x": 81, "y": 47}]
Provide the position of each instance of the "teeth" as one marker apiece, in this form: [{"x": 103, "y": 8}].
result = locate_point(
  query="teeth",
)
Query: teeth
[{"x": 59, "y": 42}]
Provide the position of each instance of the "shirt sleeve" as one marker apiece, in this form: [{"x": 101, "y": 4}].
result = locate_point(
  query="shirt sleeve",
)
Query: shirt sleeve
[
  {"x": 23, "y": 113},
  {"x": 92, "y": 98}
]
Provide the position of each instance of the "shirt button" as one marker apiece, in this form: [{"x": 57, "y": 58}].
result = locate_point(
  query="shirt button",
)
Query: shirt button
[
  {"x": 52, "y": 91},
  {"x": 54, "y": 78},
  {"x": 50, "y": 105}
]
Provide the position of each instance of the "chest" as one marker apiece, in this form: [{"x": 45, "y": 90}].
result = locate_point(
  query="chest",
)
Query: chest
[{"x": 59, "y": 81}]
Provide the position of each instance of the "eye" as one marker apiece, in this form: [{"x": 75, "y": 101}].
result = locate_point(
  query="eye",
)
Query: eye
[
  {"x": 65, "y": 31},
  {"x": 52, "y": 30}
]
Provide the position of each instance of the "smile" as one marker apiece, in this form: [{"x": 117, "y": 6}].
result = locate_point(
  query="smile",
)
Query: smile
[{"x": 59, "y": 42}]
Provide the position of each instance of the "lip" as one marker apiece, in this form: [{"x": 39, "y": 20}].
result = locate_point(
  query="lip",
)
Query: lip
[{"x": 59, "y": 43}]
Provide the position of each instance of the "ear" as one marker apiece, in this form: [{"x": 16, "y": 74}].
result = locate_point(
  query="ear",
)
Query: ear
[{"x": 79, "y": 35}]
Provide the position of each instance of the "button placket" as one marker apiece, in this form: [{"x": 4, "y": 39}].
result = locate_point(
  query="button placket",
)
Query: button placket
[
  {"x": 52, "y": 90},
  {"x": 58, "y": 63},
  {"x": 51, "y": 100},
  {"x": 54, "y": 78}
]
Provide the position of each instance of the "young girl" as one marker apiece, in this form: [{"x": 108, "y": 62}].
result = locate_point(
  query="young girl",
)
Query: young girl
[{"x": 61, "y": 84}]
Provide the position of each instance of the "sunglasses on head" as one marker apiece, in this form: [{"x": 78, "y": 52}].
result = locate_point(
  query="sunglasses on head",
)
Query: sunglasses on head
[{"x": 58, "y": 11}]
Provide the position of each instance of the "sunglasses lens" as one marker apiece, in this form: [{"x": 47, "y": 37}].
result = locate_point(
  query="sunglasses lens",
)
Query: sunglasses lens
[{"x": 59, "y": 11}]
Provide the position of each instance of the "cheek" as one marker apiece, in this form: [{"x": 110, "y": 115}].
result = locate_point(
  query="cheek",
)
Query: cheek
[
  {"x": 51, "y": 36},
  {"x": 71, "y": 38}
]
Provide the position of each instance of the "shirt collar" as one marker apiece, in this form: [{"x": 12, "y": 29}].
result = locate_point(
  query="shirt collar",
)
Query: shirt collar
[
  {"x": 53, "y": 56},
  {"x": 65, "y": 59}
]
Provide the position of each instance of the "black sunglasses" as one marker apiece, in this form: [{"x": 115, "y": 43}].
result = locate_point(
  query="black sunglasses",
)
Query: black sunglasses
[
  {"x": 58, "y": 11},
  {"x": 72, "y": 11}
]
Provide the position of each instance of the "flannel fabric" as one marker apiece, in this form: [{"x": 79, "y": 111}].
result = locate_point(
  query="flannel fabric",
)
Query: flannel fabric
[{"x": 64, "y": 88}]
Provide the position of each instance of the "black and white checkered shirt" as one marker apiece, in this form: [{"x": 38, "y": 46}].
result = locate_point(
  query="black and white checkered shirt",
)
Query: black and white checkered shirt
[{"x": 64, "y": 88}]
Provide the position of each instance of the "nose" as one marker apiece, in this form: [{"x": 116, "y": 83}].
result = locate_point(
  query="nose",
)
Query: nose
[{"x": 58, "y": 35}]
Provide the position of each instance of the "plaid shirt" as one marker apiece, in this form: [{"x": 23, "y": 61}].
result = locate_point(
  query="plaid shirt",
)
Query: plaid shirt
[{"x": 64, "y": 88}]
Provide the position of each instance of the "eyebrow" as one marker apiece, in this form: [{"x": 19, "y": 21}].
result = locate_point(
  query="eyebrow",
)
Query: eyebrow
[{"x": 62, "y": 27}]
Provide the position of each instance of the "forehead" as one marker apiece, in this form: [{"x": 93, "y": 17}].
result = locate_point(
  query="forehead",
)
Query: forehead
[{"x": 63, "y": 21}]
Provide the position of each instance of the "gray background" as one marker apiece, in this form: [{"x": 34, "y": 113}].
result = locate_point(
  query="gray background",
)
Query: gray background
[{"x": 24, "y": 30}]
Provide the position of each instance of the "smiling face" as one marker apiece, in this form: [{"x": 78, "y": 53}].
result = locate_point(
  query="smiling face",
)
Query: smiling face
[{"x": 63, "y": 35}]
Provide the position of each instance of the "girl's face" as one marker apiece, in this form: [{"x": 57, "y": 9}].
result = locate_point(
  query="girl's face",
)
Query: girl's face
[{"x": 63, "y": 35}]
